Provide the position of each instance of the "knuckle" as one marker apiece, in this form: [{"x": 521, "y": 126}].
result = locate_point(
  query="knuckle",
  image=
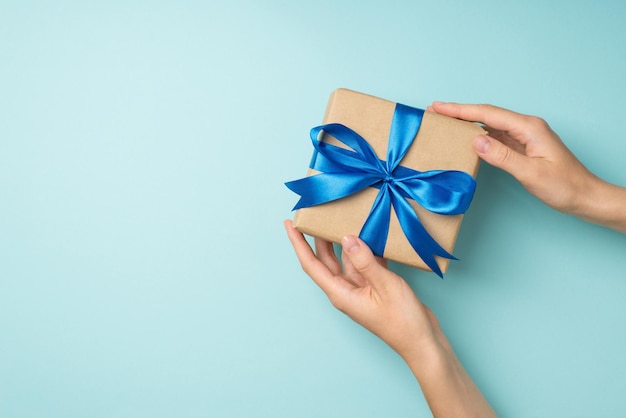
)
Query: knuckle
[
  {"x": 309, "y": 268},
  {"x": 365, "y": 264},
  {"x": 305, "y": 265},
  {"x": 502, "y": 154},
  {"x": 485, "y": 108},
  {"x": 337, "y": 302},
  {"x": 538, "y": 123},
  {"x": 474, "y": 112}
]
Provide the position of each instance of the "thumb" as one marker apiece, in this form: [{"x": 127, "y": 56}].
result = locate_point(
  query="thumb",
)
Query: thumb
[
  {"x": 499, "y": 155},
  {"x": 364, "y": 261}
]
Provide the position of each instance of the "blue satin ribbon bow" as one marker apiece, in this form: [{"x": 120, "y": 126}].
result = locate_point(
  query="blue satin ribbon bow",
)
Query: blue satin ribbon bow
[{"x": 345, "y": 172}]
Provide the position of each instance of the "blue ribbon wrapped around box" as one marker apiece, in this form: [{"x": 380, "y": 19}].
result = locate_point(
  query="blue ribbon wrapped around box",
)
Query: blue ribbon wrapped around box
[{"x": 396, "y": 176}]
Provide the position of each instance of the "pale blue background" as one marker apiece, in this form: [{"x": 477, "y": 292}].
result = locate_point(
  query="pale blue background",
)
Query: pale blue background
[{"x": 144, "y": 271}]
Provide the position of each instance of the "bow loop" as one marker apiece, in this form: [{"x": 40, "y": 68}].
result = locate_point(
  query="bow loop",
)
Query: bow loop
[{"x": 362, "y": 158}]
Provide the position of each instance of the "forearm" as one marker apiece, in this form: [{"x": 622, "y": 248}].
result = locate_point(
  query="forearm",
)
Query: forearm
[
  {"x": 604, "y": 204},
  {"x": 448, "y": 389}
]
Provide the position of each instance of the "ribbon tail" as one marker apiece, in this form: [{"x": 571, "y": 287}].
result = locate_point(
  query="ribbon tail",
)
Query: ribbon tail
[
  {"x": 421, "y": 241},
  {"x": 376, "y": 228},
  {"x": 327, "y": 187}
]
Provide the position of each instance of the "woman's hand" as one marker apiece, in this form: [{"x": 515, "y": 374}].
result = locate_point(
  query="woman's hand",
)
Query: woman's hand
[
  {"x": 381, "y": 301},
  {"x": 527, "y": 148},
  {"x": 369, "y": 293}
]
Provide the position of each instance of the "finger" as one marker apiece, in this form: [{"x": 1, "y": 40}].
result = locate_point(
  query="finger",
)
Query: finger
[
  {"x": 496, "y": 117},
  {"x": 349, "y": 268},
  {"x": 326, "y": 254},
  {"x": 320, "y": 273},
  {"x": 350, "y": 272},
  {"x": 364, "y": 262},
  {"x": 499, "y": 155},
  {"x": 506, "y": 139}
]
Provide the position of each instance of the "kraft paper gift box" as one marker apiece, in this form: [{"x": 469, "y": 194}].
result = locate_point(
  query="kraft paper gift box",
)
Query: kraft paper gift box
[{"x": 442, "y": 143}]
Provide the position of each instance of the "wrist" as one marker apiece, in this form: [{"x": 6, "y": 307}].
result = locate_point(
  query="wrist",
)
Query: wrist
[
  {"x": 429, "y": 355},
  {"x": 585, "y": 196},
  {"x": 447, "y": 387},
  {"x": 602, "y": 203}
]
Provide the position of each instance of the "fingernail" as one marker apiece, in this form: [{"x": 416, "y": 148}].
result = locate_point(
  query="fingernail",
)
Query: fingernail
[
  {"x": 350, "y": 244},
  {"x": 481, "y": 144}
]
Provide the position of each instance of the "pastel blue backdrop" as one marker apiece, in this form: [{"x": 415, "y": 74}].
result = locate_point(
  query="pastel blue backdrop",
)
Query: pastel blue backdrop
[{"x": 144, "y": 271}]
